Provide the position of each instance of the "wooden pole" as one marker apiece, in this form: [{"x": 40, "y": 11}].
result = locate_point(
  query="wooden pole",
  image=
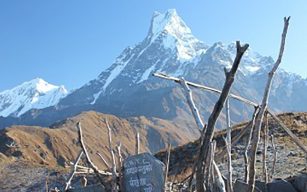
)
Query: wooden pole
[
  {"x": 88, "y": 159},
  {"x": 167, "y": 164},
  {"x": 246, "y": 161},
  {"x": 189, "y": 97},
  {"x": 74, "y": 169},
  {"x": 228, "y": 148},
  {"x": 263, "y": 108},
  {"x": 104, "y": 161},
  {"x": 114, "y": 175},
  {"x": 201, "y": 126},
  {"x": 214, "y": 116},
  {"x": 207, "y": 88},
  {"x": 264, "y": 154},
  {"x": 137, "y": 143},
  {"x": 274, "y": 157},
  {"x": 120, "y": 165}
]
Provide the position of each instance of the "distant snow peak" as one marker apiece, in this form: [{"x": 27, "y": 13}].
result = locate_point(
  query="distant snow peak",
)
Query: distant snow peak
[
  {"x": 174, "y": 34},
  {"x": 168, "y": 22},
  {"x": 34, "y": 94}
]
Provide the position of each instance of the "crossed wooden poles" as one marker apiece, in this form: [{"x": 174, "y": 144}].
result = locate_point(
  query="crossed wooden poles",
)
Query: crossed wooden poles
[{"x": 205, "y": 164}]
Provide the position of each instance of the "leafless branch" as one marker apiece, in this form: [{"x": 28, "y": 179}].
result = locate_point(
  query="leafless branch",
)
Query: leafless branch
[{"x": 264, "y": 103}]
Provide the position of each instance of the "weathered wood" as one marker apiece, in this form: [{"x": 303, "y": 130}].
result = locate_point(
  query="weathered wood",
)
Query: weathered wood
[
  {"x": 88, "y": 159},
  {"x": 114, "y": 174},
  {"x": 177, "y": 80},
  {"x": 228, "y": 148},
  {"x": 189, "y": 97},
  {"x": 72, "y": 174},
  {"x": 213, "y": 117},
  {"x": 167, "y": 163},
  {"x": 264, "y": 153},
  {"x": 137, "y": 143},
  {"x": 104, "y": 161},
  {"x": 263, "y": 108},
  {"x": 119, "y": 155},
  {"x": 246, "y": 162},
  {"x": 82, "y": 169},
  {"x": 274, "y": 158},
  {"x": 294, "y": 138},
  {"x": 209, "y": 174},
  {"x": 120, "y": 164},
  {"x": 199, "y": 123}
]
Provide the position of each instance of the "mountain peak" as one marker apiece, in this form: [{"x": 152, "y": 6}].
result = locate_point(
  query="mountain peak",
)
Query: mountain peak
[
  {"x": 168, "y": 22},
  {"x": 33, "y": 94},
  {"x": 172, "y": 33}
]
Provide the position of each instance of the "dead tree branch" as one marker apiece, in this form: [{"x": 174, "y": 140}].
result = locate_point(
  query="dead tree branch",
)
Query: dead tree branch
[
  {"x": 72, "y": 174},
  {"x": 265, "y": 145},
  {"x": 167, "y": 163},
  {"x": 246, "y": 162},
  {"x": 88, "y": 159},
  {"x": 104, "y": 161},
  {"x": 189, "y": 97},
  {"x": 114, "y": 174},
  {"x": 264, "y": 103},
  {"x": 177, "y": 80},
  {"x": 200, "y": 124},
  {"x": 274, "y": 158},
  {"x": 137, "y": 143},
  {"x": 228, "y": 148},
  {"x": 213, "y": 118}
]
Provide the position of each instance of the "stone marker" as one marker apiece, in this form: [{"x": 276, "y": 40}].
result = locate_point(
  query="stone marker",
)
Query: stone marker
[
  {"x": 241, "y": 186},
  {"x": 143, "y": 173},
  {"x": 280, "y": 185},
  {"x": 300, "y": 182}
]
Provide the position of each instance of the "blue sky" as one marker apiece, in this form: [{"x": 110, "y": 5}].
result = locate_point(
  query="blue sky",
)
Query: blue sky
[{"x": 70, "y": 42}]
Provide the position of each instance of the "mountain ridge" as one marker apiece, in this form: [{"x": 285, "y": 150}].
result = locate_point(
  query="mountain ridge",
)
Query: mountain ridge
[{"x": 127, "y": 88}]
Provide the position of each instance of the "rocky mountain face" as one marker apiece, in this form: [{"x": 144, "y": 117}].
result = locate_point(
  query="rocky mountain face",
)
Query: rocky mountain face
[
  {"x": 34, "y": 94},
  {"x": 127, "y": 87}
]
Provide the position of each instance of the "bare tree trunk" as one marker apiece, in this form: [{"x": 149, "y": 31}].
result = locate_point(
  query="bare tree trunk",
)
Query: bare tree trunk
[
  {"x": 119, "y": 155},
  {"x": 199, "y": 122},
  {"x": 137, "y": 143},
  {"x": 246, "y": 176},
  {"x": 120, "y": 165},
  {"x": 68, "y": 183},
  {"x": 274, "y": 158},
  {"x": 167, "y": 164},
  {"x": 265, "y": 144},
  {"x": 114, "y": 175},
  {"x": 209, "y": 174},
  {"x": 213, "y": 118},
  {"x": 228, "y": 148},
  {"x": 259, "y": 118}
]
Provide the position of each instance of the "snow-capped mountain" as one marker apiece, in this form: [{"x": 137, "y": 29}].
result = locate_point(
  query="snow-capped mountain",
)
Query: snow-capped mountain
[
  {"x": 127, "y": 87},
  {"x": 34, "y": 94}
]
